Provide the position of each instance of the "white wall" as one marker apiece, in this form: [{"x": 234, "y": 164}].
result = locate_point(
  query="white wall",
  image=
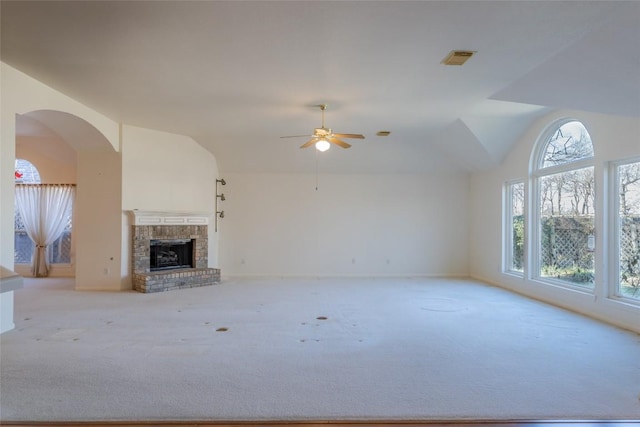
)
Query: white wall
[
  {"x": 165, "y": 172},
  {"x": 54, "y": 159},
  {"x": 353, "y": 225},
  {"x": 98, "y": 223},
  {"x": 614, "y": 138}
]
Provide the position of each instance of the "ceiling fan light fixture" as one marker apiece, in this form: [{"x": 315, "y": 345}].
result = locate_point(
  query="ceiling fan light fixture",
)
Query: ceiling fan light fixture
[
  {"x": 322, "y": 145},
  {"x": 323, "y": 136}
]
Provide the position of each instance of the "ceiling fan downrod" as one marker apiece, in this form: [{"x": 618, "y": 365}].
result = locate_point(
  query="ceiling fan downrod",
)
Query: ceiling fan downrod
[{"x": 322, "y": 108}]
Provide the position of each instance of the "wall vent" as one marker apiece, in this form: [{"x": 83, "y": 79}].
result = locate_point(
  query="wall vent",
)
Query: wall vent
[{"x": 457, "y": 57}]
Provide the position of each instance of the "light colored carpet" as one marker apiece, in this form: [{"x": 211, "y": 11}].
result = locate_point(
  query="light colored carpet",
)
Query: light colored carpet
[{"x": 420, "y": 349}]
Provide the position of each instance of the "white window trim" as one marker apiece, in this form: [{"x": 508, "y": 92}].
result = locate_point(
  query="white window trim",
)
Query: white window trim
[
  {"x": 569, "y": 166},
  {"x": 613, "y": 244},
  {"x": 507, "y": 241}
]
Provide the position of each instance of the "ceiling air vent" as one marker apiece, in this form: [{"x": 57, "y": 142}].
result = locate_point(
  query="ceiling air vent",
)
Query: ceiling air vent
[{"x": 457, "y": 57}]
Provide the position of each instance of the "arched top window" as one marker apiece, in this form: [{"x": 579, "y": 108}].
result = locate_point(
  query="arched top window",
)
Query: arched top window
[
  {"x": 26, "y": 172},
  {"x": 564, "y": 207},
  {"x": 567, "y": 143}
]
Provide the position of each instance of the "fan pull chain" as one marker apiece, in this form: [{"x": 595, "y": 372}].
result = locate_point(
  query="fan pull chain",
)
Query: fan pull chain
[{"x": 316, "y": 169}]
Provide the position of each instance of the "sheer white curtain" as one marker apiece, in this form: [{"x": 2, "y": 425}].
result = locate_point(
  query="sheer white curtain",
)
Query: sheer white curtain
[{"x": 43, "y": 208}]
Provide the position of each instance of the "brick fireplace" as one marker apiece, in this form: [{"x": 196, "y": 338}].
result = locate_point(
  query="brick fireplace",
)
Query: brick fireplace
[{"x": 159, "y": 227}]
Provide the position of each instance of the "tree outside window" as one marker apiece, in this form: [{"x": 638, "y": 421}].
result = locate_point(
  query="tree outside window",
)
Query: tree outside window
[{"x": 628, "y": 230}]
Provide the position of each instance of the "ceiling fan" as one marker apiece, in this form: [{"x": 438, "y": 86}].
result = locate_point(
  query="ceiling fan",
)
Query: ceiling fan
[{"x": 323, "y": 137}]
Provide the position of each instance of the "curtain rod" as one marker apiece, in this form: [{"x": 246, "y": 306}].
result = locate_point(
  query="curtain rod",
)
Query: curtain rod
[{"x": 42, "y": 185}]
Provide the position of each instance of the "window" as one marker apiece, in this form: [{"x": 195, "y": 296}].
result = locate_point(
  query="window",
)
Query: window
[
  {"x": 563, "y": 172},
  {"x": 514, "y": 231},
  {"x": 626, "y": 265},
  {"x": 59, "y": 252},
  {"x": 26, "y": 172}
]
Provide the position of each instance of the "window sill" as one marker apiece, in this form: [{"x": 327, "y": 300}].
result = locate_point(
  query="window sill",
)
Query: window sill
[
  {"x": 564, "y": 285},
  {"x": 625, "y": 301}
]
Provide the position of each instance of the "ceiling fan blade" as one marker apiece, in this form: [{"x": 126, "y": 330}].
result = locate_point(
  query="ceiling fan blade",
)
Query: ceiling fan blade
[
  {"x": 339, "y": 142},
  {"x": 309, "y": 143},
  {"x": 349, "y": 135},
  {"x": 295, "y": 136}
]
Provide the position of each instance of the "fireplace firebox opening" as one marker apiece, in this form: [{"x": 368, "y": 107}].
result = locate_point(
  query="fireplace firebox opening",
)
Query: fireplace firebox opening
[{"x": 168, "y": 254}]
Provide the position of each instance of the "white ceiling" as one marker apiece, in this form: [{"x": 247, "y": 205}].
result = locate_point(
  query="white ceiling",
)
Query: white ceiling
[{"x": 236, "y": 76}]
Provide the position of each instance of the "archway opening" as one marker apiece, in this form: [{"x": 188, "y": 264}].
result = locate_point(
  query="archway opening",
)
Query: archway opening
[{"x": 65, "y": 149}]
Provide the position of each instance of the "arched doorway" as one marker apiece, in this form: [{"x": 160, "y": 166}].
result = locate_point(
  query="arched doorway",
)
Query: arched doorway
[{"x": 67, "y": 149}]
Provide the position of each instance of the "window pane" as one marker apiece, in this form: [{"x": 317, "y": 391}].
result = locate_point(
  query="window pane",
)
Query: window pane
[
  {"x": 566, "y": 227},
  {"x": 59, "y": 252},
  {"x": 23, "y": 248},
  {"x": 26, "y": 173},
  {"x": 515, "y": 251},
  {"x": 629, "y": 230},
  {"x": 569, "y": 143}
]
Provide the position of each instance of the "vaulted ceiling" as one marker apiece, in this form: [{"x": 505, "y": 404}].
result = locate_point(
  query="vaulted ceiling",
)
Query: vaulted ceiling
[{"x": 236, "y": 76}]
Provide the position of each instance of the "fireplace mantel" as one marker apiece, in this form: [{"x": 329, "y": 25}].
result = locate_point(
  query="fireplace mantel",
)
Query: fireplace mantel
[{"x": 170, "y": 218}]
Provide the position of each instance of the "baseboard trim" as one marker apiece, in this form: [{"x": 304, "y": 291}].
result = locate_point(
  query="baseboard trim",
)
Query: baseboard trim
[{"x": 335, "y": 423}]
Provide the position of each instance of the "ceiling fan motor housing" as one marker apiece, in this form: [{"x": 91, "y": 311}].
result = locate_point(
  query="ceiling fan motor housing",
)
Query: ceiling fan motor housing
[{"x": 319, "y": 132}]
